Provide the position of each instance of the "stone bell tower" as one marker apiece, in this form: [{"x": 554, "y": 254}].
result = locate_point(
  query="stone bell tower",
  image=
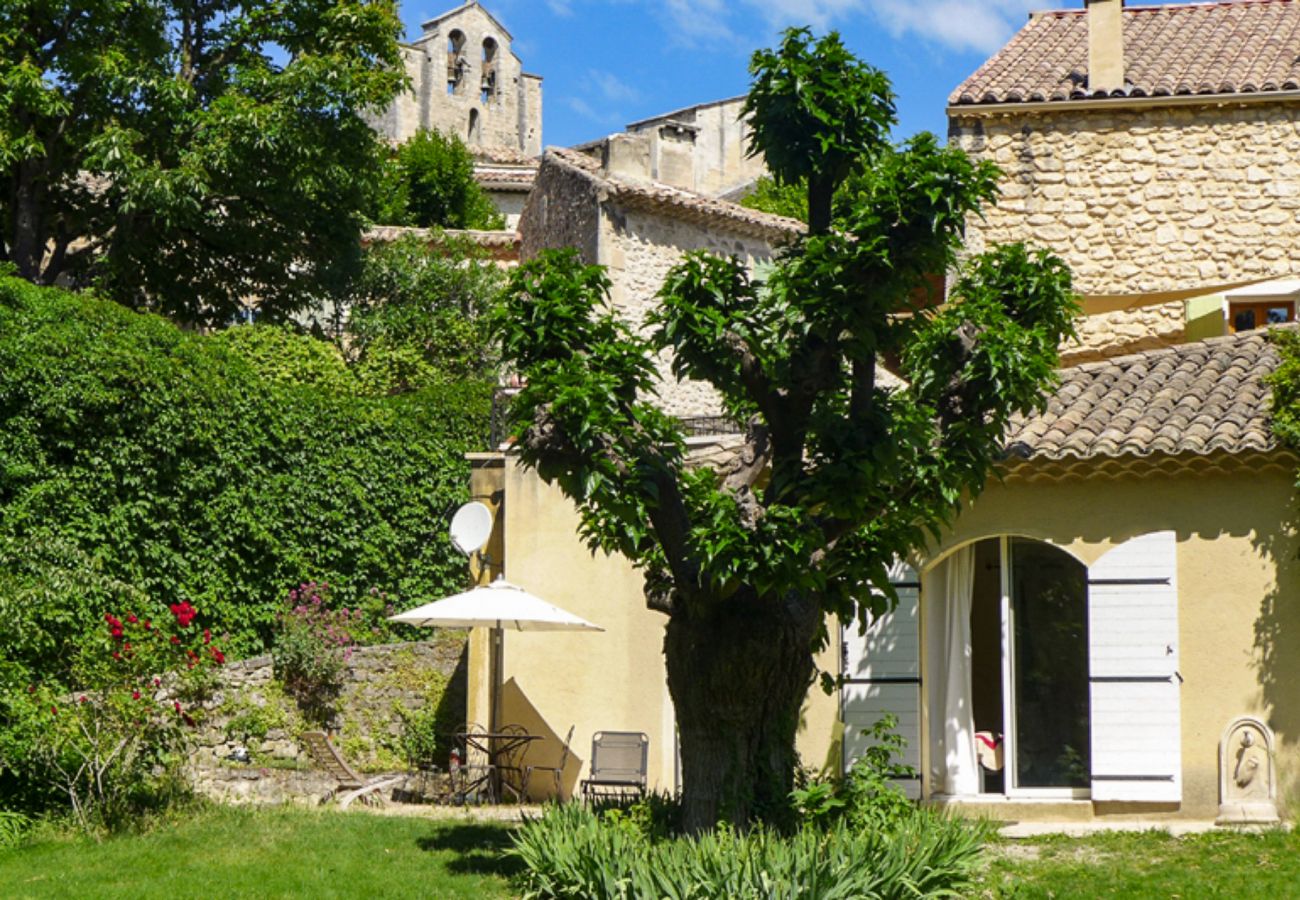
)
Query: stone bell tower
[{"x": 467, "y": 81}]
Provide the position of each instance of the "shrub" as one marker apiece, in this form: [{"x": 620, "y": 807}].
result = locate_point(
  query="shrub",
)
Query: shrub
[
  {"x": 572, "y": 852},
  {"x": 312, "y": 649},
  {"x": 13, "y": 827},
  {"x": 867, "y": 796},
  {"x": 140, "y": 460},
  {"x": 430, "y": 183},
  {"x": 113, "y": 747}
]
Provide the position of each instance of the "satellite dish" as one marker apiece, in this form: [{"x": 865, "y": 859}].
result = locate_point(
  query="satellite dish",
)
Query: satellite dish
[{"x": 470, "y": 527}]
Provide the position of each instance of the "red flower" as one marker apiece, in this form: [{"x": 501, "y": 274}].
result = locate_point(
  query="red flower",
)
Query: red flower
[
  {"x": 130, "y": 617},
  {"x": 175, "y": 639},
  {"x": 54, "y": 710},
  {"x": 81, "y": 699},
  {"x": 147, "y": 625},
  {"x": 177, "y": 704},
  {"x": 183, "y": 612},
  {"x": 218, "y": 656},
  {"x": 31, "y": 688},
  {"x": 135, "y": 695},
  {"x": 207, "y": 635},
  {"x": 116, "y": 655},
  {"x": 157, "y": 682}
]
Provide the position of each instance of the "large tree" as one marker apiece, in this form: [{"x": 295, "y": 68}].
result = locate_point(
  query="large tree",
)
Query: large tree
[
  {"x": 191, "y": 154},
  {"x": 842, "y": 469}
]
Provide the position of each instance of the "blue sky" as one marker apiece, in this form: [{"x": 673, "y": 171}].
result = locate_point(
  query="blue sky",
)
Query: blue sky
[{"x": 610, "y": 62}]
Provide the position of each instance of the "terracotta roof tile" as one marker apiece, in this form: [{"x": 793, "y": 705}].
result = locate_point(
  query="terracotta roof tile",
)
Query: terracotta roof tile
[
  {"x": 681, "y": 203},
  {"x": 1200, "y": 398},
  {"x": 1241, "y": 47}
]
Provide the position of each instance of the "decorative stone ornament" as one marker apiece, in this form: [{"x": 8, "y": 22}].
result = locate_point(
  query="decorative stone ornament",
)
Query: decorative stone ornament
[{"x": 1247, "y": 776}]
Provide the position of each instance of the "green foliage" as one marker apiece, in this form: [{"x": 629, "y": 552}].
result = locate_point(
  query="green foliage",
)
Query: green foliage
[
  {"x": 843, "y": 470},
  {"x": 418, "y": 315},
  {"x": 284, "y": 355},
  {"x": 211, "y": 151},
  {"x": 1285, "y": 382},
  {"x": 572, "y": 852},
  {"x": 818, "y": 115},
  {"x": 14, "y": 826},
  {"x": 430, "y": 183},
  {"x": 789, "y": 200},
  {"x": 249, "y": 721},
  {"x": 138, "y": 460},
  {"x": 866, "y": 797}
]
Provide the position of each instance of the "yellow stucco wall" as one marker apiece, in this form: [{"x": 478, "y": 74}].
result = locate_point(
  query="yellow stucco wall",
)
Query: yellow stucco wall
[
  {"x": 1238, "y": 592},
  {"x": 1239, "y": 613}
]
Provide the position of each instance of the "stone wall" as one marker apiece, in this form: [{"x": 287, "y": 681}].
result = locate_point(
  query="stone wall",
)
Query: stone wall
[
  {"x": 1145, "y": 201},
  {"x": 250, "y": 710},
  {"x": 639, "y": 247}
]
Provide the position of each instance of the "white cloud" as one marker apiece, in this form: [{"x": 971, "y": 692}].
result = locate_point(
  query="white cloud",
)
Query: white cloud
[
  {"x": 612, "y": 88},
  {"x": 560, "y": 7},
  {"x": 587, "y": 111},
  {"x": 981, "y": 25},
  {"x": 697, "y": 22}
]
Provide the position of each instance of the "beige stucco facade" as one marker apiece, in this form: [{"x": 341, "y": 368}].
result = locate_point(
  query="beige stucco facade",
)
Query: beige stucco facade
[
  {"x": 1143, "y": 199},
  {"x": 1238, "y": 611}
]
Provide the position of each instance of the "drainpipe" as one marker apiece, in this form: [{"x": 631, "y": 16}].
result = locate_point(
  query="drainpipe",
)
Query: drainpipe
[{"x": 1105, "y": 45}]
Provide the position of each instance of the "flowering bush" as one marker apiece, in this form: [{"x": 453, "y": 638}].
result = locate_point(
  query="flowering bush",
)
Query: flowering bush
[
  {"x": 113, "y": 747},
  {"x": 313, "y": 646}
]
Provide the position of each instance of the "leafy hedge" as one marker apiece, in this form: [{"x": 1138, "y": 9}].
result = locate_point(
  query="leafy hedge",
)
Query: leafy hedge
[{"x": 138, "y": 460}]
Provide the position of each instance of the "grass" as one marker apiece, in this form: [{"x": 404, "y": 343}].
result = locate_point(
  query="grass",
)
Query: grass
[
  {"x": 1146, "y": 865},
  {"x": 232, "y": 852}
]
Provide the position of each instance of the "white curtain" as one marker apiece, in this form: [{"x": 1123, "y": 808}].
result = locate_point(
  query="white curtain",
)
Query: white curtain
[{"x": 947, "y": 606}]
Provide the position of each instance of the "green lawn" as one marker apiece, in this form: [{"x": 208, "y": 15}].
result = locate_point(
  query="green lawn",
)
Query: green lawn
[
  {"x": 1147, "y": 866},
  {"x": 225, "y": 852},
  {"x": 270, "y": 853}
]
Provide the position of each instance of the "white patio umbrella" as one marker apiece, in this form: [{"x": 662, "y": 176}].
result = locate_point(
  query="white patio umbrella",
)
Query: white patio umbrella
[{"x": 499, "y": 606}]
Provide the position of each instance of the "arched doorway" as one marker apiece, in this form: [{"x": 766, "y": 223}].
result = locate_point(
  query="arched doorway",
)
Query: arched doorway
[{"x": 1070, "y": 671}]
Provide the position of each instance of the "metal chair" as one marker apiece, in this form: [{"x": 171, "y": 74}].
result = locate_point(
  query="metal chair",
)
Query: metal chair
[
  {"x": 510, "y": 762},
  {"x": 557, "y": 771},
  {"x": 618, "y": 765},
  {"x": 476, "y": 773}
]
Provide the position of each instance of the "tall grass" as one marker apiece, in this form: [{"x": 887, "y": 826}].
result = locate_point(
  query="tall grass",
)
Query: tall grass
[{"x": 571, "y": 852}]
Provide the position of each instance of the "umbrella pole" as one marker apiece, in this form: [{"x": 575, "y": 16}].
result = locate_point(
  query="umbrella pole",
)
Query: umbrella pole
[{"x": 494, "y": 686}]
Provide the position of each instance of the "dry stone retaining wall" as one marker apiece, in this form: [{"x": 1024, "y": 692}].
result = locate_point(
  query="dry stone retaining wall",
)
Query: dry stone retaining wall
[{"x": 365, "y": 727}]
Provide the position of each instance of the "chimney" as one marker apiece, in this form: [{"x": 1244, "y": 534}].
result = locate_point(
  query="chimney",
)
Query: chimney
[{"x": 1105, "y": 45}]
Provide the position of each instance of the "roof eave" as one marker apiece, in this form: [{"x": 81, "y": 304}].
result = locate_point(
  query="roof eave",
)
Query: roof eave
[{"x": 1031, "y": 107}]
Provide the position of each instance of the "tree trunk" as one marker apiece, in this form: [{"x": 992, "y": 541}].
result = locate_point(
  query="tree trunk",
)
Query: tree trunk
[
  {"x": 28, "y": 248},
  {"x": 738, "y": 672}
]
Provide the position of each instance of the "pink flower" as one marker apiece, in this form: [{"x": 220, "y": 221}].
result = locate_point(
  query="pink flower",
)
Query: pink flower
[
  {"x": 81, "y": 699},
  {"x": 177, "y": 705}
]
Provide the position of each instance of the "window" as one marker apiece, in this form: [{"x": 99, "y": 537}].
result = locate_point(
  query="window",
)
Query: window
[
  {"x": 1244, "y": 315},
  {"x": 473, "y": 132}
]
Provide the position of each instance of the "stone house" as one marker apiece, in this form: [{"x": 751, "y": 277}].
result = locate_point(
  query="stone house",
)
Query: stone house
[
  {"x": 1154, "y": 148},
  {"x": 1127, "y": 588}
]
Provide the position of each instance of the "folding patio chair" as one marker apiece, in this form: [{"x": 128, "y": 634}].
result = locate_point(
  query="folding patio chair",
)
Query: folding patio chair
[
  {"x": 618, "y": 765},
  {"x": 557, "y": 771},
  {"x": 350, "y": 783}
]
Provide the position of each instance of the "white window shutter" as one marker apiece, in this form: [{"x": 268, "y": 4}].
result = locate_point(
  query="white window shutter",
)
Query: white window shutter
[
  {"x": 882, "y": 670},
  {"x": 1133, "y": 669}
]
